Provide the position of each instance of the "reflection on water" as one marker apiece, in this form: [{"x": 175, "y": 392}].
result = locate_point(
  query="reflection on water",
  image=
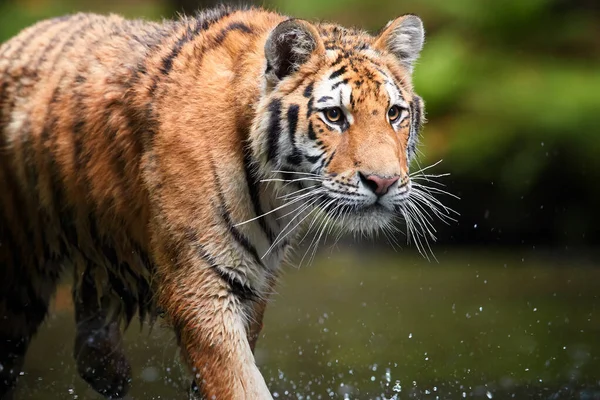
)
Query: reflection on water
[{"x": 367, "y": 326}]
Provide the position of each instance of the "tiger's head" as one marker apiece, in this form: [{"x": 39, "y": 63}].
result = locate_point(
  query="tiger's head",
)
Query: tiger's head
[{"x": 338, "y": 120}]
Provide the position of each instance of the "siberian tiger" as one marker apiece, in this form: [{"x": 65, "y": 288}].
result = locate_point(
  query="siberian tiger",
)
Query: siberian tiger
[{"x": 170, "y": 164}]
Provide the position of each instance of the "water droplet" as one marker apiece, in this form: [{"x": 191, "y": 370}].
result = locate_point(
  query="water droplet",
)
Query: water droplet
[{"x": 150, "y": 374}]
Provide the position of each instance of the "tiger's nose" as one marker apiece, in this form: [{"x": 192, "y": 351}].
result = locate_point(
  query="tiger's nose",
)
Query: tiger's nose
[{"x": 379, "y": 185}]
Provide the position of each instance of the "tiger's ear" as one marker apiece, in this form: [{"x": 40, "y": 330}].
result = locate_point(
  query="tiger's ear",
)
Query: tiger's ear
[
  {"x": 403, "y": 37},
  {"x": 290, "y": 45}
]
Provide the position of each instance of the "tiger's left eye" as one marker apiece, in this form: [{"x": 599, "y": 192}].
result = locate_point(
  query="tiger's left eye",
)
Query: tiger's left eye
[
  {"x": 394, "y": 113},
  {"x": 334, "y": 115}
]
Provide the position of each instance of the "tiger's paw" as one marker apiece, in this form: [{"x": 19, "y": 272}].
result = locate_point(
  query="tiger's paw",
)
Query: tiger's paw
[{"x": 101, "y": 361}]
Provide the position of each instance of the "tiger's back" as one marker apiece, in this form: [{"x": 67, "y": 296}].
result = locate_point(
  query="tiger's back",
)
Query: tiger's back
[
  {"x": 70, "y": 156},
  {"x": 78, "y": 109}
]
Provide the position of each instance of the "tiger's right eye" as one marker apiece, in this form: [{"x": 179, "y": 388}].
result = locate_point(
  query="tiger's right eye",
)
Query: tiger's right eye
[{"x": 333, "y": 115}]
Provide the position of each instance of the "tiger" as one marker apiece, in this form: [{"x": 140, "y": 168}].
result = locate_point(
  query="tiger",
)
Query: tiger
[{"x": 170, "y": 167}]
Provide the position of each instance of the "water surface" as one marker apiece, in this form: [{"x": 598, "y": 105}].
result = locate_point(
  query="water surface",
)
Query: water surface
[{"x": 368, "y": 325}]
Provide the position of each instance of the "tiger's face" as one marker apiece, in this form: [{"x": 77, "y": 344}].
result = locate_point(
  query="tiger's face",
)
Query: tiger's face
[{"x": 343, "y": 118}]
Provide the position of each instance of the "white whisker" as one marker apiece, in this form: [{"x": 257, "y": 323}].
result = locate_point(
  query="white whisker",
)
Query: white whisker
[
  {"x": 283, "y": 232},
  {"x": 425, "y": 168},
  {"x": 276, "y": 209}
]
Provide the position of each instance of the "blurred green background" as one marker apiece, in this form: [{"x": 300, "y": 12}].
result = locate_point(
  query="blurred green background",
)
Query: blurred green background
[{"x": 512, "y": 89}]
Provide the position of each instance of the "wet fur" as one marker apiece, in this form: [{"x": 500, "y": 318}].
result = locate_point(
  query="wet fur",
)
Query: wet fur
[{"x": 130, "y": 151}]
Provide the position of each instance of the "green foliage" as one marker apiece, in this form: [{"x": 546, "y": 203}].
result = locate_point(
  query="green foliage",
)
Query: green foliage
[{"x": 16, "y": 15}]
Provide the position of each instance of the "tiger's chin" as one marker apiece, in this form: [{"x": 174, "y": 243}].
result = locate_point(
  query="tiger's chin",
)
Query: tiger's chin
[{"x": 364, "y": 220}]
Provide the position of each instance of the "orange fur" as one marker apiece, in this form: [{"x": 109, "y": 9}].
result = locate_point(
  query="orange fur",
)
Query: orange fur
[{"x": 132, "y": 151}]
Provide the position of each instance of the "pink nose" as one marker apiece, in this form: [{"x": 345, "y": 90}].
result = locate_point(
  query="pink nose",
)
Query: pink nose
[{"x": 378, "y": 184}]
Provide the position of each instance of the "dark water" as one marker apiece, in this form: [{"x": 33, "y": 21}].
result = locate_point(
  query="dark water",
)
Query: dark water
[{"x": 389, "y": 326}]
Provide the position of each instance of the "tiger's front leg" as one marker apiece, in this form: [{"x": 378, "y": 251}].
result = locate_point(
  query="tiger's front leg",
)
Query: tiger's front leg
[
  {"x": 255, "y": 325},
  {"x": 210, "y": 318}
]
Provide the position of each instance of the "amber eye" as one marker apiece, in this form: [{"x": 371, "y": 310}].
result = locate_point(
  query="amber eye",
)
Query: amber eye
[
  {"x": 333, "y": 114},
  {"x": 394, "y": 113}
]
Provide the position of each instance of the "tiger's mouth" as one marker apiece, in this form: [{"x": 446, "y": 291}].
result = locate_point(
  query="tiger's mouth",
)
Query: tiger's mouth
[
  {"x": 359, "y": 217},
  {"x": 331, "y": 208},
  {"x": 409, "y": 210}
]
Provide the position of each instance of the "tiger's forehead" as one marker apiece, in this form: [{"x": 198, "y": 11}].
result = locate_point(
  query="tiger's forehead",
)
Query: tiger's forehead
[{"x": 353, "y": 78}]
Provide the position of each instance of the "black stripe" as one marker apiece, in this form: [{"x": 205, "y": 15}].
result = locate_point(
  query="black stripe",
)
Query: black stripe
[
  {"x": 337, "y": 73},
  {"x": 237, "y": 288},
  {"x": 312, "y": 159},
  {"x": 237, "y": 235},
  {"x": 54, "y": 40},
  {"x": 335, "y": 85},
  {"x": 308, "y": 90},
  {"x": 309, "y": 108},
  {"x": 324, "y": 99},
  {"x": 76, "y": 34},
  {"x": 30, "y": 161},
  {"x": 292, "y": 115},
  {"x": 252, "y": 184},
  {"x": 311, "y": 132},
  {"x": 117, "y": 147},
  {"x": 235, "y": 26},
  {"x": 203, "y": 22},
  {"x": 50, "y": 160},
  {"x": 80, "y": 154},
  {"x": 329, "y": 159},
  {"x": 167, "y": 62},
  {"x": 295, "y": 158},
  {"x": 415, "y": 110},
  {"x": 339, "y": 59},
  {"x": 4, "y": 117},
  {"x": 274, "y": 129},
  {"x": 321, "y": 164}
]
